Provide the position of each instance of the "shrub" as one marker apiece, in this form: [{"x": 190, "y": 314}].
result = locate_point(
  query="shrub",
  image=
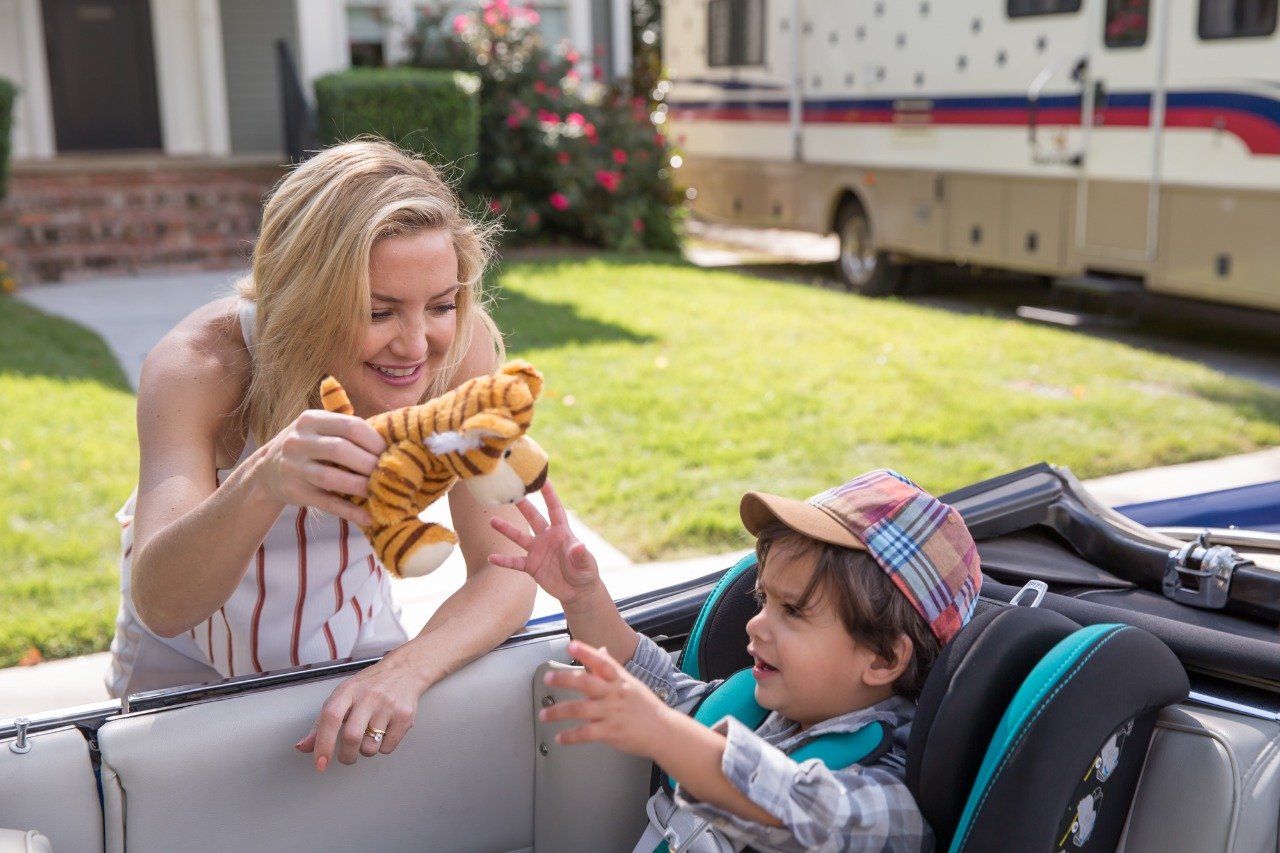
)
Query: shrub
[
  {"x": 433, "y": 113},
  {"x": 563, "y": 160},
  {"x": 7, "y": 93}
]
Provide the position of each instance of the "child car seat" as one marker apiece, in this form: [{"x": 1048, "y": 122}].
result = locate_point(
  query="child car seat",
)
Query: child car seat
[{"x": 1030, "y": 733}]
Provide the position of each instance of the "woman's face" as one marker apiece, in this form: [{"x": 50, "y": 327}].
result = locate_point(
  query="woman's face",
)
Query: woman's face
[{"x": 413, "y": 284}]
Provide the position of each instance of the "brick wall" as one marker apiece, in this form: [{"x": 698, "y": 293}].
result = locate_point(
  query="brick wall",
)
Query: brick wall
[{"x": 87, "y": 217}]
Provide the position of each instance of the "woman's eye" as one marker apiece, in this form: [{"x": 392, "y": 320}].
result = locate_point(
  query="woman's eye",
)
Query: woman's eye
[
  {"x": 445, "y": 308},
  {"x": 382, "y": 314}
]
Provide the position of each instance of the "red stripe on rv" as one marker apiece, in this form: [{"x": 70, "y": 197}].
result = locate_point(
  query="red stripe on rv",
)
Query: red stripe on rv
[{"x": 1260, "y": 135}]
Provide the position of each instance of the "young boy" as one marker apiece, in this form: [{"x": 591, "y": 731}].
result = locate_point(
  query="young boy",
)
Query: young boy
[{"x": 859, "y": 587}]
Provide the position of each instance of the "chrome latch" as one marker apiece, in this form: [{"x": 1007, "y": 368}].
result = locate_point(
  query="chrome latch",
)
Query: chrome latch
[
  {"x": 1200, "y": 574},
  {"x": 1033, "y": 590},
  {"x": 21, "y": 745}
]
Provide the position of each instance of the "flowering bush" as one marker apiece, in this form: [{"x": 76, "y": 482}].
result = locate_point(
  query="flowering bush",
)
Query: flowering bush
[{"x": 560, "y": 158}]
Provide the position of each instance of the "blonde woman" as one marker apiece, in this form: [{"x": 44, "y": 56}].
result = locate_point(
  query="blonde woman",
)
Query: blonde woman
[{"x": 241, "y": 553}]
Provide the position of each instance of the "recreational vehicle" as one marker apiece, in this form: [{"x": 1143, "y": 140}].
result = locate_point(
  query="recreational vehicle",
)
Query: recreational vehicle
[{"x": 1135, "y": 142}]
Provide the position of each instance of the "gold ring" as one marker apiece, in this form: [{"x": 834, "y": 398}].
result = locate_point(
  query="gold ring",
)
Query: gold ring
[{"x": 376, "y": 734}]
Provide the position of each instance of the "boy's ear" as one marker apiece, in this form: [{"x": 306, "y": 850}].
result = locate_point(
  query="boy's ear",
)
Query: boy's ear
[{"x": 886, "y": 671}]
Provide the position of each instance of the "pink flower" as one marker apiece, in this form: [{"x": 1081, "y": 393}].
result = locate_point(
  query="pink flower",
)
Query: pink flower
[
  {"x": 495, "y": 206},
  {"x": 563, "y": 158},
  {"x": 559, "y": 201},
  {"x": 575, "y": 119},
  {"x": 532, "y": 219},
  {"x": 459, "y": 23},
  {"x": 539, "y": 87},
  {"x": 597, "y": 73},
  {"x": 491, "y": 18},
  {"x": 637, "y": 225},
  {"x": 609, "y": 180},
  {"x": 572, "y": 56},
  {"x": 619, "y": 156},
  {"x": 513, "y": 120},
  {"x": 548, "y": 117},
  {"x": 531, "y": 16},
  {"x": 589, "y": 131},
  {"x": 572, "y": 75}
]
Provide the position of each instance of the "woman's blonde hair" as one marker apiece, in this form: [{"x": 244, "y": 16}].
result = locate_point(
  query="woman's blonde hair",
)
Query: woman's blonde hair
[{"x": 310, "y": 278}]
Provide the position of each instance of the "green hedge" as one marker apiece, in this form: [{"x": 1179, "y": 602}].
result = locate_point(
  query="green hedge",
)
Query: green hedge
[
  {"x": 435, "y": 113},
  {"x": 7, "y": 93}
]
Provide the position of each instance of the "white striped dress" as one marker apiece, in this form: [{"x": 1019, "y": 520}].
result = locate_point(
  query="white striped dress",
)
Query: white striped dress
[{"x": 313, "y": 592}]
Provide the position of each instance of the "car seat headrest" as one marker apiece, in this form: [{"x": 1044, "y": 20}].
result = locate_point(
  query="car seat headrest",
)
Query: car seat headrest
[
  {"x": 717, "y": 645},
  {"x": 966, "y": 693}
]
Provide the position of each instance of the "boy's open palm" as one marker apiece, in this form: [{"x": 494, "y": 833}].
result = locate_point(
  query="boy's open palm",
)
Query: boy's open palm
[
  {"x": 616, "y": 707},
  {"x": 553, "y": 557}
]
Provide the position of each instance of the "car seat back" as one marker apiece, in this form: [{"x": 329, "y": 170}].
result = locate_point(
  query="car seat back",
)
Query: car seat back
[{"x": 1032, "y": 732}]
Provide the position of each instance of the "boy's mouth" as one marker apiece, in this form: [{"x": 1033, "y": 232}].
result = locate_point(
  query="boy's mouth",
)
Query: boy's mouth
[{"x": 761, "y": 668}]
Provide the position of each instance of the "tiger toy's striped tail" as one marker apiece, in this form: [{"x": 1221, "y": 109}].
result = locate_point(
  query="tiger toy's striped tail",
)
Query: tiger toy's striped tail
[{"x": 475, "y": 433}]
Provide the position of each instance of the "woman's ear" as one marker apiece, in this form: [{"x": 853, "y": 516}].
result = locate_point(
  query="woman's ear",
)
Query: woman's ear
[{"x": 885, "y": 671}]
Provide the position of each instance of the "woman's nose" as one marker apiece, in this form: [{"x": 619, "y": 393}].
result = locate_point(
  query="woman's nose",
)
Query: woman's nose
[{"x": 411, "y": 342}]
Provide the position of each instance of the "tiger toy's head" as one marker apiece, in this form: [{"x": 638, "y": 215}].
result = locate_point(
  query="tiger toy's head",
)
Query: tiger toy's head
[{"x": 475, "y": 433}]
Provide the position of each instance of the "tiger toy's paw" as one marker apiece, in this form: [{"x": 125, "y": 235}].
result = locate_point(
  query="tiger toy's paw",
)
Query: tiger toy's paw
[{"x": 413, "y": 548}]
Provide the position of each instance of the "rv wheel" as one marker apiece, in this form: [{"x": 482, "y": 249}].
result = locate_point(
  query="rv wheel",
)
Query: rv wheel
[{"x": 863, "y": 268}]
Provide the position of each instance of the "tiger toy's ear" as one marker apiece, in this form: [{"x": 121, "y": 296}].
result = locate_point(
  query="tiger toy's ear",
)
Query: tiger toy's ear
[
  {"x": 491, "y": 425},
  {"x": 526, "y": 371},
  {"x": 334, "y": 398}
]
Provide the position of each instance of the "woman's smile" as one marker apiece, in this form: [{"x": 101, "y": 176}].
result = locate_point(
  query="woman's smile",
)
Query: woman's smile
[{"x": 397, "y": 376}]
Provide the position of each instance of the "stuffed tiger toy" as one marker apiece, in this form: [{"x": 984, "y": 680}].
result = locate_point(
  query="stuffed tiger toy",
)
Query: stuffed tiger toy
[{"x": 475, "y": 433}]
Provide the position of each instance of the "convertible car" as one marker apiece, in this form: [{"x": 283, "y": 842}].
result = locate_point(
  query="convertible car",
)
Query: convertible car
[{"x": 211, "y": 766}]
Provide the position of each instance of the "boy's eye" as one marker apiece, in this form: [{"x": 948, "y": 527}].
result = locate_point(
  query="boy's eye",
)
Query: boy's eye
[
  {"x": 792, "y": 610},
  {"x": 758, "y": 595}
]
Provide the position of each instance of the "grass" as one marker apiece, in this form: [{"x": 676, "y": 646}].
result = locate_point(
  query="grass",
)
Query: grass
[
  {"x": 68, "y": 458},
  {"x": 671, "y": 390}
]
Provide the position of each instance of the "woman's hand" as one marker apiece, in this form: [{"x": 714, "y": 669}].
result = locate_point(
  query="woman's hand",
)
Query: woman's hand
[
  {"x": 616, "y": 707},
  {"x": 383, "y": 697},
  {"x": 318, "y": 459},
  {"x": 554, "y": 557}
]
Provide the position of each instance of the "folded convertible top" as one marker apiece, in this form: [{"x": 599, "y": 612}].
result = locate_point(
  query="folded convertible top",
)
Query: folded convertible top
[{"x": 1217, "y": 607}]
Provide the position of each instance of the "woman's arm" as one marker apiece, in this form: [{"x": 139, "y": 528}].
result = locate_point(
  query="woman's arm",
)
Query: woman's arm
[
  {"x": 192, "y": 539},
  {"x": 489, "y": 607}
]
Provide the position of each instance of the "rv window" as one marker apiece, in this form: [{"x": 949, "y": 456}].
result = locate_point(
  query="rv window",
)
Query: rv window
[
  {"x": 1023, "y": 8},
  {"x": 1126, "y": 23},
  {"x": 1227, "y": 19},
  {"x": 735, "y": 32}
]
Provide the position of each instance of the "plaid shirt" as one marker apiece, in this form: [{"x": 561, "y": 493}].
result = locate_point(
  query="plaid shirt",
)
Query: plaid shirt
[{"x": 858, "y": 808}]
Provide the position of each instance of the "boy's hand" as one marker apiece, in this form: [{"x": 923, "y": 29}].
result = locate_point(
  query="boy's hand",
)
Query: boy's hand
[
  {"x": 617, "y": 707},
  {"x": 554, "y": 557}
]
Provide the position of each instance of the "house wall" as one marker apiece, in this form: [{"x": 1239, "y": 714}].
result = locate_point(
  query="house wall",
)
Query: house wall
[{"x": 22, "y": 61}]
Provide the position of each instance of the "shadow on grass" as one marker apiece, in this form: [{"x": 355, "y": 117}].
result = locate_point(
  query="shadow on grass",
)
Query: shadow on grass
[
  {"x": 34, "y": 344},
  {"x": 532, "y": 323},
  {"x": 535, "y": 324}
]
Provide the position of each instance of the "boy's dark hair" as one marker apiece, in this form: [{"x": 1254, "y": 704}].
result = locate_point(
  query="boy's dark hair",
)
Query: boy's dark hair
[{"x": 874, "y": 611}]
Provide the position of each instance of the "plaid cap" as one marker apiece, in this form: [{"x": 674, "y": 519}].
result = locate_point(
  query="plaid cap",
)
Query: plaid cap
[{"x": 920, "y": 542}]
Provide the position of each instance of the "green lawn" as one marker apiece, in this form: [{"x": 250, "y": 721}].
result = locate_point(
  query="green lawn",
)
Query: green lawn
[
  {"x": 670, "y": 391},
  {"x": 68, "y": 458}
]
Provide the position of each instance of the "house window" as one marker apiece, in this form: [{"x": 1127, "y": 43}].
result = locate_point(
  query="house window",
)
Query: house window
[
  {"x": 365, "y": 35},
  {"x": 1229, "y": 19},
  {"x": 1024, "y": 8},
  {"x": 735, "y": 32},
  {"x": 1126, "y": 24}
]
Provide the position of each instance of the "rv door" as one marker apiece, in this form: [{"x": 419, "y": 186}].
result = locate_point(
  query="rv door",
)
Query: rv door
[{"x": 1123, "y": 117}]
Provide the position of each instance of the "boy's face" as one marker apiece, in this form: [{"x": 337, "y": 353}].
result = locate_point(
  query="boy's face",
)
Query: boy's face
[{"x": 807, "y": 667}]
